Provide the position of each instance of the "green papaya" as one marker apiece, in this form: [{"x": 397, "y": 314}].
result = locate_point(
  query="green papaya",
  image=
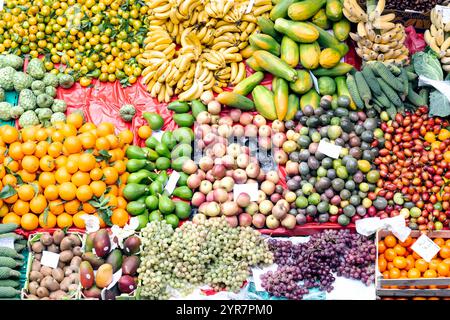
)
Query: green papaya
[{"x": 264, "y": 102}]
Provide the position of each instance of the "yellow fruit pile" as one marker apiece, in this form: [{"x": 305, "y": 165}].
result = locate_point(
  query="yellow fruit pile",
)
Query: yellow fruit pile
[
  {"x": 210, "y": 35},
  {"x": 51, "y": 177}
]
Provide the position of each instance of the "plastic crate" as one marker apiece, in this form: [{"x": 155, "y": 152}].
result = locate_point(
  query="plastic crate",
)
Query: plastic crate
[{"x": 13, "y": 98}]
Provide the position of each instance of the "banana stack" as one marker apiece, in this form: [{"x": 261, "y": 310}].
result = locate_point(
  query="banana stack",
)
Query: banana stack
[
  {"x": 377, "y": 37},
  {"x": 437, "y": 38},
  {"x": 194, "y": 46}
]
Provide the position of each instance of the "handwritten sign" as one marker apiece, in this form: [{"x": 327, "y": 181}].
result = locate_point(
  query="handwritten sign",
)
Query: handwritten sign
[{"x": 425, "y": 247}]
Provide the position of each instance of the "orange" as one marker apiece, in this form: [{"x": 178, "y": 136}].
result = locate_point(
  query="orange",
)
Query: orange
[
  {"x": 114, "y": 189},
  {"x": 57, "y": 136},
  {"x": 447, "y": 242},
  {"x": 29, "y": 221},
  {"x": 121, "y": 202},
  {"x": 98, "y": 188},
  {"x": 81, "y": 179},
  {"x": 407, "y": 242},
  {"x": 26, "y": 176},
  {"x": 447, "y": 261},
  {"x": 390, "y": 254},
  {"x": 88, "y": 208},
  {"x": 111, "y": 175},
  {"x": 120, "y": 154},
  {"x": 430, "y": 274},
  {"x": 68, "y": 130},
  {"x": 64, "y": 220},
  {"x": 390, "y": 265},
  {"x": 46, "y": 179},
  {"x": 26, "y": 192},
  {"x": 125, "y": 137},
  {"x": 444, "y": 253},
  {"x": 15, "y": 151},
  {"x": 84, "y": 193},
  {"x": 73, "y": 144},
  {"x": 421, "y": 265},
  {"x": 413, "y": 273},
  {"x": 144, "y": 132},
  {"x": 78, "y": 221},
  {"x": 410, "y": 262},
  {"x": 400, "y": 262},
  {"x": 67, "y": 191},
  {"x": 88, "y": 126},
  {"x": 62, "y": 176},
  {"x": 41, "y": 134},
  {"x": 382, "y": 264},
  {"x": 47, "y": 220},
  {"x": 72, "y": 207},
  {"x": 3, "y": 210},
  {"x": 119, "y": 217},
  {"x": 28, "y": 148},
  {"x": 21, "y": 207},
  {"x": 56, "y": 207},
  {"x": 124, "y": 178},
  {"x": 399, "y": 250},
  {"x": 9, "y": 134},
  {"x": 120, "y": 166},
  {"x": 11, "y": 218},
  {"x": 87, "y": 140},
  {"x": 71, "y": 166},
  {"x": 381, "y": 246},
  {"x": 386, "y": 275},
  {"x": 113, "y": 141},
  {"x": 75, "y": 119},
  {"x": 96, "y": 174},
  {"x": 61, "y": 161},
  {"x": 51, "y": 192},
  {"x": 439, "y": 241},
  {"x": 47, "y": 163},
  {"x": 102, "y": 144},
  {"x": 444, "y": 134},
  {"x": 87, "y": 162},
  {"x": 433, "y": 265},
  {"x": 394, "y": 273},
  {"x": 105, "y": 128},
  {"x": 2, "y": 171},
  {"x": 390, "y": 241},
  {"x": 443, "y": 269},
  {"x": 38, "y": 204},
  {"x": 30, "y": 163},
  {"x": 11, "y": 164},
  {"x": 102, "y": 222},
  {"x": 11, "y": 200},
  {"x": 28, "y": 133},
  {"x": 55, "y": 149},
  {"x": 112, "y": 202},
  {"x": 403, "y": 275},
  {"x": 9, "y": 179},
  {"x": 430, "y": 137}
]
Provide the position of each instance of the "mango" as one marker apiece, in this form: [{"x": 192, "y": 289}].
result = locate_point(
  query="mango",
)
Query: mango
[
  {"x": 104, "y": 276},
  {"x": 86, "y": 275},
  {"x": 102, "y": 243}
]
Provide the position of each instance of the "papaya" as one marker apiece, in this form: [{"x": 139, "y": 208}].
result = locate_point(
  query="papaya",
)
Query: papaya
[
  {"x": 235, "y": 100},
  {"x": 275, "y": 65},
  {"x": 280, "y": 10},
  {"x": 293, "y": 105},
  {"x": 248, "y": 84},
  {"x": 264, "y": 102},
  {"x": 340, "y": 69},
  {"x": 341, "y": 29},
  {"x": 327, "y": 40},
  {"x": 311, "y": 98},
  {"x": 329, "y": 57},
  {"x": 320, "y": 19},
  {"x": 303, "y": 84},
  {"x": 309, "y": 55},
  {"x": 248, "y": 51},
  {"x": 298, "y": 31},
  {"x": 281, "y": 95},
  {"x": 327, "y": 86},
  {"x": 267, "y": 27},
  {"x": 290, "y": 51},
  {"x": 251, "y": 62},
  {"x": 265, "y": 42},
  {"x": 333, "y": 10},
  {"x": 305, "y": 9}
]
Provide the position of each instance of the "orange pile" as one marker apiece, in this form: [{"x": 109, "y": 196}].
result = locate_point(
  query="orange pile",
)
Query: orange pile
[
  {"x": 51, "y": 177},
  {"x": 396, "y": 260}
]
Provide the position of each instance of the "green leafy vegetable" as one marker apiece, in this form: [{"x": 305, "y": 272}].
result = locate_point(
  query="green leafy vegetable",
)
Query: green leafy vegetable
[
  {"x": 439, "y": 104},
  {"x": 427, "y": 64}
]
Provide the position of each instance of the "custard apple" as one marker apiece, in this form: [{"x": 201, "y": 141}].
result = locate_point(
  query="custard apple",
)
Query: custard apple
[
  {"x": 11, "y": 60},
  {"x": 59, "y": 105},
  {"x": 57, "y": 117},
  {"x": 22, "y": 81},
  {"x": 127, "y": 112},
  {"x": 44, "y": 114},
  {"x": 36, "y": 69},
  {"x": 51, "y": 91},
  {"x": 5, "y": 109},
  {"x": 2, "y": 95},
  {"x": 27, "y": 100},
  {"x": 7, "y": 78},
  {"x": 16, "y": 112},
  {"x": 28, "y": 118},
  {"x": 38, "y": 92},
  {"x": 51, "y": 80},
  {"x": 38, "y": 85},
  {"x": 44, "y": 101},
  {"x": 65, "y": 80}
]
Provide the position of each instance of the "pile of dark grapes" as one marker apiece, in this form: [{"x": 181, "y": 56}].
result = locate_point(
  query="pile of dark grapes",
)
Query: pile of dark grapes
[{"x": 348, "y": 254}]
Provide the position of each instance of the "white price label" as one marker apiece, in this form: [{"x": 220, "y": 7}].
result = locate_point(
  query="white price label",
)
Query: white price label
[
  {"x": 249, "y": 188},
  {"x": 92, "y": 223},
  {"x": 158, "y": 135},
  {"x": 116, "y": 277},
  {"x": 329, "y": 149},
  {"x": 7, "y": 242},
  {"x": 425, "y": 247},
  {"x": 314, "y": 79},
  {"x": 172, "y": 183},
  {"x": 50, "y": 259}
]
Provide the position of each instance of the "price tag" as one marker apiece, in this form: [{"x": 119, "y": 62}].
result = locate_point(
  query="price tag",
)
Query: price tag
[
  {"x": 425, "y": 247},
  {"x": 445, "y": 11},
  {"x": 1, "y": 5},
  {"x": 250, "y": 188},
  {"x": 314, "y": 79},
  {"x": 133, "y": 224},
  {"x": 329, "y": 149},
  {"x": 172, "y": 183},
  {"x": 92, "y": 223},
  {"x": 50, "y": 259},
  {"x": 158, "y": 135},
  {"x": 7, "y": 242}
]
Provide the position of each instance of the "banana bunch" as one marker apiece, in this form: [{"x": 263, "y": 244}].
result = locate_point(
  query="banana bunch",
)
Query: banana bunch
[
  {"x": 194, "y": 46},
  {"x": 437, "y": 38},
  {"x": 377, "y": 37}
]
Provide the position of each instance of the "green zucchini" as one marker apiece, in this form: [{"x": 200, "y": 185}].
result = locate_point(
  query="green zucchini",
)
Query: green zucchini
[
  {"x": 6, "y": 273},
  {"x": 8, "y": 262},
  {"x": 8, "y": 227},
  {"x": 8, "y": 252},
  {"x": 10, "y": 283},
  {"x": 8, "y": 292}
]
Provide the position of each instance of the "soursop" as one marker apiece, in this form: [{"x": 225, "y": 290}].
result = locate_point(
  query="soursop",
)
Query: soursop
[
  {"x": 2, "y": 95},
  {"x": 36, "y": 69},
  {"x": 7, "y": 78},
  {"x": 22, "y": 81},
  {"x": 28, "y": 118},
  {"x": 59, "y": 105},
  {"x": 38, "y": 85},
  {"x": 44, "y": 101},
  {"x": 51, "y": 80},
  {"x": 16, "y": 112},
  {"x": 11, "y": 60},
  {"x": 5, "y": 111},
  {"x": 51, "y": 91},
  {"x": 27, "y": 100},
  {"x": 57, "y": 117},
  {"x": 65, "y": 80}
]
